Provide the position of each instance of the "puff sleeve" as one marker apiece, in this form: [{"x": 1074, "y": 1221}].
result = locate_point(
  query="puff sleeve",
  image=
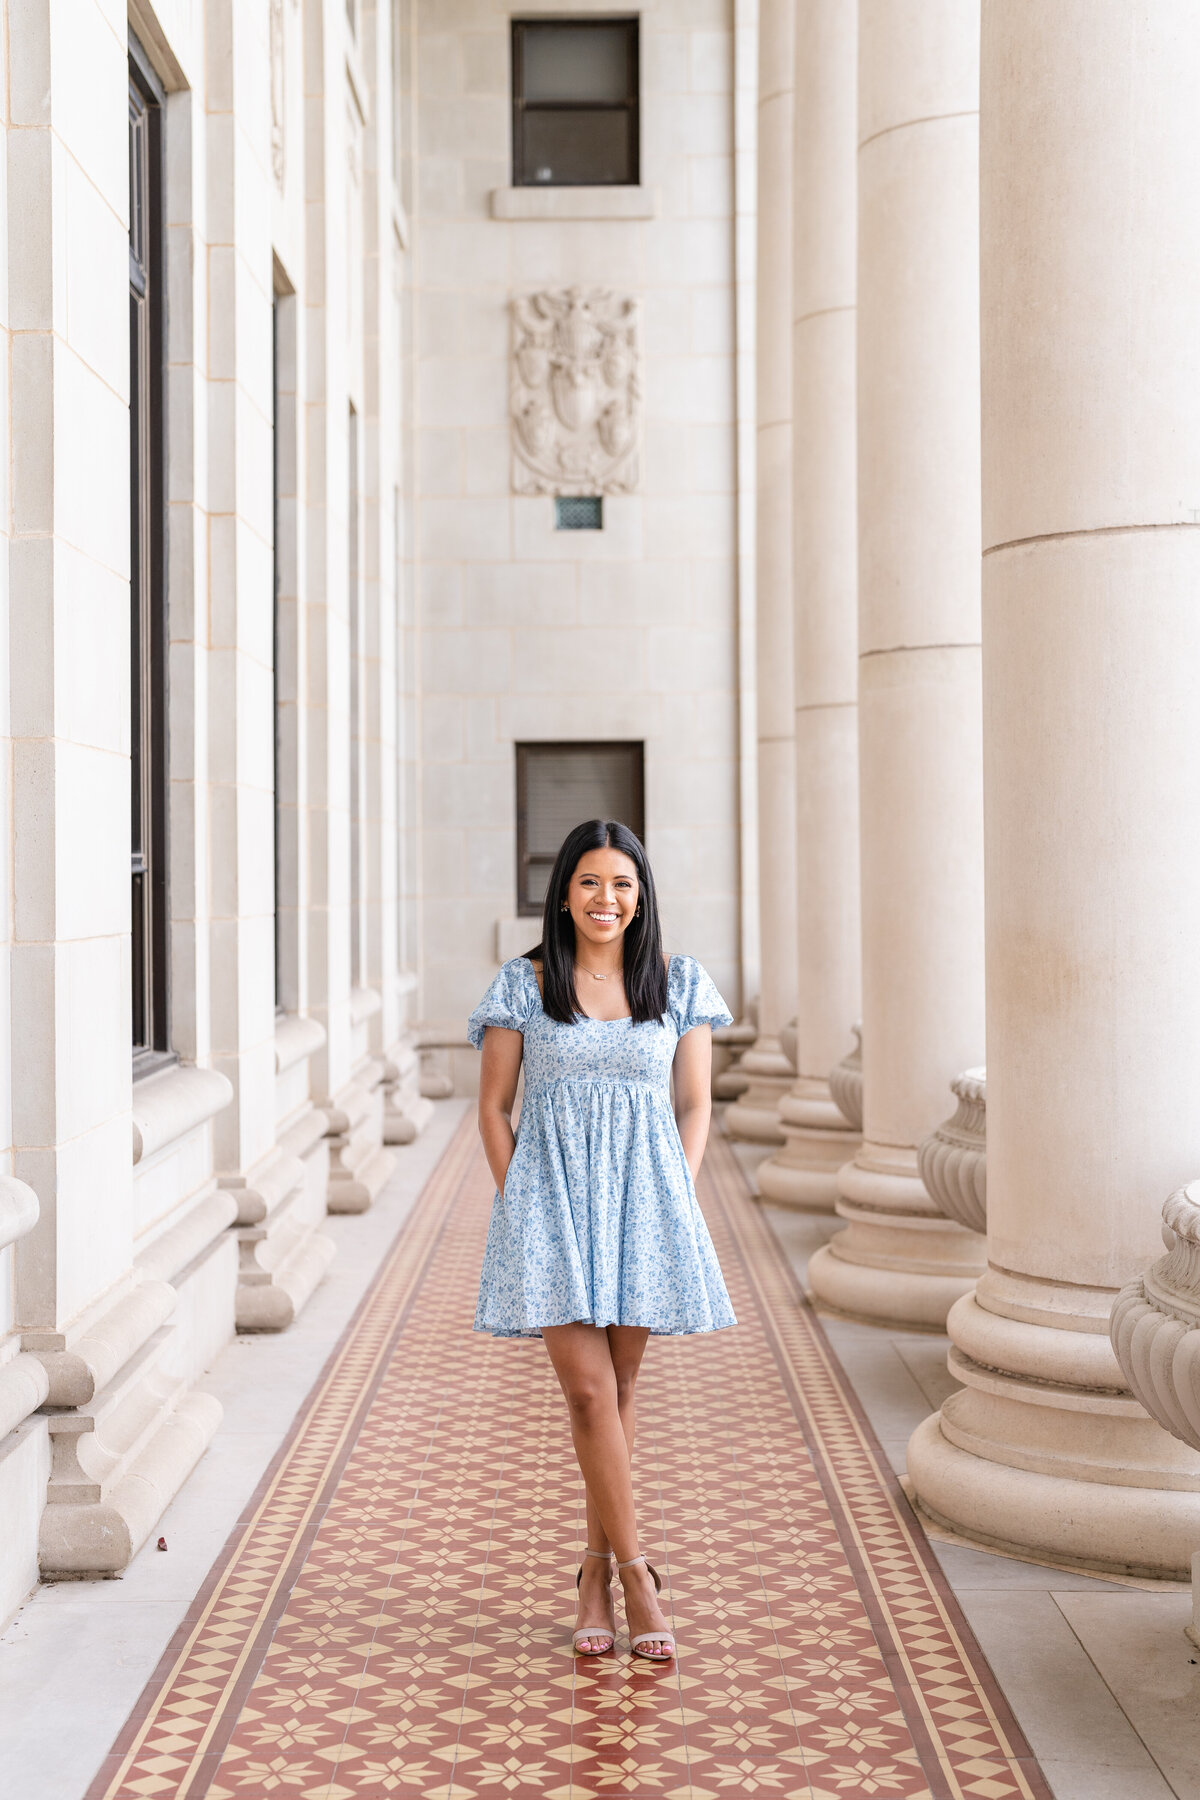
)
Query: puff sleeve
[
  {"x": 693, "y": 997},
  {"x": 507, "y": 1002}
]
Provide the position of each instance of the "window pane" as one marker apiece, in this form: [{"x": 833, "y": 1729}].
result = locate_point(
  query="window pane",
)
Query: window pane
[
  {"x": 567, "y": 786},
  {"x": 577, "y": 149},
  {"x": 577, "y": 62}
]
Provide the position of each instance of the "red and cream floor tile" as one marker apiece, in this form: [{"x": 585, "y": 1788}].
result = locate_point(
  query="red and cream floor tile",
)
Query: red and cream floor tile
[{"x": 391, "y": 1615}]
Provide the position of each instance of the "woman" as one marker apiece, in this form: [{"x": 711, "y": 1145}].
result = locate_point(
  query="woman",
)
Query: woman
[{"x": 596, "y": 1239}]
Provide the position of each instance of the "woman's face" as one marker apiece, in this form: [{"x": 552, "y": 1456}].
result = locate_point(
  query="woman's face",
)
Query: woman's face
[{"x": 603, "y": 896}]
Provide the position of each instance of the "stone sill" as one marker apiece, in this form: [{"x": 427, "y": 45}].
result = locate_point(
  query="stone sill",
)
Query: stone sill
[
  {"x": 574, "y": 203},
  {"x": 296, "y": 1038},
  {"x": 167, "y": 1106},
  {"x": 18, "y": 1210},
  {"x": 365, "y": 1002}
]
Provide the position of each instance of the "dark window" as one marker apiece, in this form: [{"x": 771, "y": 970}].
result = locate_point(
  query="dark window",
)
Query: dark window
[
  {"x": 276, "y": 587},
  {"x": 575, "y": 102},
  {"x": 357, "y": 845},
  {"x": 148, "y": 584},
  {"x": 285, "y": 666},
  {"x": 579, "y": 512},
  {"x": 560, "y": 785}
]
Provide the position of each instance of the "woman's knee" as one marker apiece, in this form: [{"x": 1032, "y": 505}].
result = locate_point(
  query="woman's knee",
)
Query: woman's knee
[
  {"x": 589, "y": 1401},
  {"x": 626, "y": 1382}
]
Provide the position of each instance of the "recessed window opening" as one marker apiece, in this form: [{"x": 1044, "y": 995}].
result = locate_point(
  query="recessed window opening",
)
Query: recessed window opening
[
  {"x": 357, "y": 835},
  {"x": 578, "y": 512},
  {"x": 560, "y": 785},
  {"x": 575, "y": 102},
  {"x": 148, "y": 567}
]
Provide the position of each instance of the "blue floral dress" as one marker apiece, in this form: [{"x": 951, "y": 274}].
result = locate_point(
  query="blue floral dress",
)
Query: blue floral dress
[{"x": 599, "y": 1220}]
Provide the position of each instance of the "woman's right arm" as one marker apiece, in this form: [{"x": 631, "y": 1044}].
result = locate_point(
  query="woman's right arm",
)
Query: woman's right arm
[{"x": 498, "y": 1077}]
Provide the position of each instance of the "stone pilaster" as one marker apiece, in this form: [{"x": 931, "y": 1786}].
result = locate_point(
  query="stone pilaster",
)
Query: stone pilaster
[
  {"x": 900, "y": 1261},
  {"x": 1091, "y": 406},
  {"x": 753, "y": 1115},
  {"x": 825, "y": 912}
]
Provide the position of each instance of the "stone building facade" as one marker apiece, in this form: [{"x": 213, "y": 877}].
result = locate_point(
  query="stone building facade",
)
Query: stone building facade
[
  {"x": 284, "y": 588},
  {"x": 375, "y": 494}
]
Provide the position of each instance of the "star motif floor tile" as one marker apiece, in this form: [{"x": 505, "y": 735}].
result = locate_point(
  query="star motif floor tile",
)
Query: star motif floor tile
[{"x": 392, "y": 1615}]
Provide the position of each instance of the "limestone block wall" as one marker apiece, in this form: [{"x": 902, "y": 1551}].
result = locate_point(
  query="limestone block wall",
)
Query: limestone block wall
[{"x": 523, "y": 633}]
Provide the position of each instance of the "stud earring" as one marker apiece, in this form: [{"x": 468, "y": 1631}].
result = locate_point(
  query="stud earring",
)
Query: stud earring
[
  {"x": 637, "y": 912},
  {"x": 564, "y": 907}
]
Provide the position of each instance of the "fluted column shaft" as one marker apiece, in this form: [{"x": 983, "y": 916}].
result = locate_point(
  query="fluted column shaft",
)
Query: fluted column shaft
[
  {"x": 825, "y": 603},
  {"x": 919, "y": 701},
  {"x": 1091, "y": 411},
  {"x": 754, "y": 1114}
]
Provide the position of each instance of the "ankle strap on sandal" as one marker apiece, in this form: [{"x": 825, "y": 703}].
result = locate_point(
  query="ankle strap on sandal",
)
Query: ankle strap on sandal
[
  {"x": 604, "y": 1553},
  {"x": 639, "y": 1558}
]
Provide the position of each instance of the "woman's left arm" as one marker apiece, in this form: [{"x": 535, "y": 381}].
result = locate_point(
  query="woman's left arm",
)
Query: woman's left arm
[{"x": 692, "y": 1073}]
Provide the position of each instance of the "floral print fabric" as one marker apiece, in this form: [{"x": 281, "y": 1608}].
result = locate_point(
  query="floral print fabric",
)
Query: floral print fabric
[{"x": 598, "y": 1221}]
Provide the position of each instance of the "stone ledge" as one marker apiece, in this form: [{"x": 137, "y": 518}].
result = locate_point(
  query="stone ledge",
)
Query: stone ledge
[
  {"x": 78, "y": 1373},
  {"x": 259, "y": 1195},
  {"x": 513, "y": 203},
  {"x": 102, "y": 1536},
  {"x": 18, "y": 1210},
  {"x": 365, "y": 1002},
  {"x": 171, "y": 1253},
  {"x": 24, "y": 1385},
  {"x": 295, "y": 1038},
  {"x": 167, "y": 1106},
  {"x": 304, "y": 1133}
]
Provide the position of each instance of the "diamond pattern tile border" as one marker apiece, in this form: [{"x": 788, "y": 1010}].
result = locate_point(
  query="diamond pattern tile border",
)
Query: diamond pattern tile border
[{"x": 391, "y": 1615}]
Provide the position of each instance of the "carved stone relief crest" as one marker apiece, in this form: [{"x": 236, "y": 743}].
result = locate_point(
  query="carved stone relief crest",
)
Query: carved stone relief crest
[{"x": 576, "y": 392}]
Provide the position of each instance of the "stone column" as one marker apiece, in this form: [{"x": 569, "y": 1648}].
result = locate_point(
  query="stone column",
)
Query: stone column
[
  {"x": 754, "y": 1114},
  {"x": 1091, "y": 415},
  {"x": 347, "y": 1076},
  {"x": 919, "y": 725},
  {"x": 825, "y": 617}
]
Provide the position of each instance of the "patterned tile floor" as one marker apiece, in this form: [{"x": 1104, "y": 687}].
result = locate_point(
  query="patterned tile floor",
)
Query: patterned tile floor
[{"x": 391, "y": 1615}]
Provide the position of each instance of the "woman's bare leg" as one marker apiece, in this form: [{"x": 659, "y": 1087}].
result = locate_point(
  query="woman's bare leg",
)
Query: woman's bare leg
[
  {"x": 627, "y": 1345},
  {"x": 583, "y": 1360}
]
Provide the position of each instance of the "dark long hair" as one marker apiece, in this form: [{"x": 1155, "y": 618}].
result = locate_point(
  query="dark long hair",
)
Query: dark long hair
[{"x": 645, "y": 972}]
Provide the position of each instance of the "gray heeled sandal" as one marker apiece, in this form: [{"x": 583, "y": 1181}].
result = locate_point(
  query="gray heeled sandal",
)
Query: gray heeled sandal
[
  {"x": 593, "y": 1631},
  {"x": 662, "y": 1636}
]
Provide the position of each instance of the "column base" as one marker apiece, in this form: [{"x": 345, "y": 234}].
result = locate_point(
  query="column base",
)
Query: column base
[
  {"x": 899, "y": 1262},
  {"x": 818, "y": 1142},
  {"x": 1090, "y": 1525},
  {"x": 1044, "y": 1448},
  {"x": 754, "y": 1115}
]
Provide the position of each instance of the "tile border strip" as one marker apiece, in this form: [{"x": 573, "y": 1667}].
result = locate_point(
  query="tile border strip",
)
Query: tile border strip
[
  {"x": 345, "y": 1388},
  {"x": 786, "y": 1311}
]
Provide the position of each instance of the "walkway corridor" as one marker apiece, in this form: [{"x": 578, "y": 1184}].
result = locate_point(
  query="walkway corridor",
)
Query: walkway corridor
[{"x": 391, "y": 1615}]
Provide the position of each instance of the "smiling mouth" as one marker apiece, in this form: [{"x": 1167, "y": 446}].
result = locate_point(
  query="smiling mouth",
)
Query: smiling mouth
[{"x": 603, "y": 918}]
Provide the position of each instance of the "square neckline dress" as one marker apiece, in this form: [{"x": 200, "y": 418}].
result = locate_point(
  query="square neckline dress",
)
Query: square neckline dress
[{"x": 599, "y": 1221}]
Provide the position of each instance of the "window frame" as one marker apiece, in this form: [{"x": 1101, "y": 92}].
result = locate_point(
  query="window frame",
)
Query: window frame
[
  {"x": 631, "y": 106},
  {"x": 526, "y": 908},
  {"x": 149, "y": 747}
]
